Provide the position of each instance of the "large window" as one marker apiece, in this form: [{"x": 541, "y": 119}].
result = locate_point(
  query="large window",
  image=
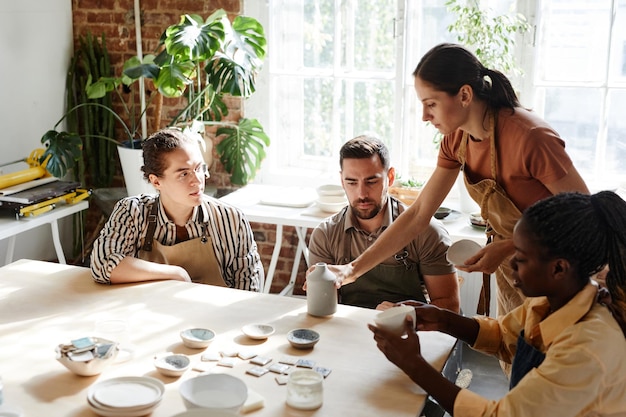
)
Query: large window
[
  {"x": 580, "y": 82},
  {"x": 340, "y": 68}
]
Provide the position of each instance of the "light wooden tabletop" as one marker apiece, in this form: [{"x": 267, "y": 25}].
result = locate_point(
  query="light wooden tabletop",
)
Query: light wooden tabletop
[{"x": 44, "y": 304}]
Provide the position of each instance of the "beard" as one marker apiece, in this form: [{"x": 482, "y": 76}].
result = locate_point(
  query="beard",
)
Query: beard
[{"x": 365, "y": 214}]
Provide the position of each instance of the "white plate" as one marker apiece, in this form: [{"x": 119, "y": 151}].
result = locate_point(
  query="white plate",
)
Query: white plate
[
  {"x": 289, "y": 197},
  {"x": 258, "y": 331},
  {"x": 461, "y": 250},
  {"x": 115, "y": 412},
  {"x": 126, "y": 393}
]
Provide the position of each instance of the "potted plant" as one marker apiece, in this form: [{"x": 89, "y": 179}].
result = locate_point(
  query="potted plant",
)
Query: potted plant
[
  {"x": 204, "y": 61},
  {"x": 406, "y": 190},
  {"x": 490, "y": 37}
]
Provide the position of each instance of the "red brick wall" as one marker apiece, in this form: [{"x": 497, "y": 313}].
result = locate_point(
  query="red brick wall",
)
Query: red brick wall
[{"x": 116, "y": 19}]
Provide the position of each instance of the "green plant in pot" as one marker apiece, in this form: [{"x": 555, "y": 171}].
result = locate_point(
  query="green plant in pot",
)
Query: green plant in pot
[
  {"x": 204, "y": 61},
  {"x": 491, "y": 37}
]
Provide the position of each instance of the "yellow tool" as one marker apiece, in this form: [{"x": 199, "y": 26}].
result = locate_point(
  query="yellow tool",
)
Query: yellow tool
[
  {"x": 47, "y": 205},
  {"x": 35, "y": 171}
]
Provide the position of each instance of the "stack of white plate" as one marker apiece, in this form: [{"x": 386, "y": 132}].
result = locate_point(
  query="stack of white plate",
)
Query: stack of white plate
[
  {"x": 125, "y": 396},
  {"x": 331, "y": 198}
]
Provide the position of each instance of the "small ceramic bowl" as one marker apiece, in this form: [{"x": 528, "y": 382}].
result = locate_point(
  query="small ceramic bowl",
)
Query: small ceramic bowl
[
  {"x": 330, "y": 189},
  {"x": 461, "y": 250},
  {"x": 197, "y": 338},
  {"x": 442, "y": 213},
  {"x": 477, "y": 220},
  {"x": 331, "y": 203},
  {"x": 393, "y": 318},
  {"x": 303, "y": 338},
  {"x": 93, "y": 366},
  {"x": 172, "y": 365},
  {"x": 214, "y": 391},
  {"x": 258, "y": 331}
]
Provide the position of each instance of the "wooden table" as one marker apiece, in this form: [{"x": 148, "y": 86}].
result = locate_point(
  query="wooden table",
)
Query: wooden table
[
  {"x": 250, "y": 200},
  {"x": 43, "y": 304}
]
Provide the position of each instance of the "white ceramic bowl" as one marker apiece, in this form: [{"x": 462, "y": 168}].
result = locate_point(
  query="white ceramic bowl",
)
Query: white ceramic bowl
[
  {"x": 330, "y": 190},
  {"x": 91, "y": 367},
  {"x": 197, "y": 338},
  {"x": 477, "y": 220},
  {"x": 172, "y": 365},
  {"x": 303, "y": 338},
  {"x": 393, "y": 318},
  {"x": 258, "y": 331},
  {"x": 331, "y": 203},
  {"x": 214, "y": 391},
  {"x": 461, "y": 250}
]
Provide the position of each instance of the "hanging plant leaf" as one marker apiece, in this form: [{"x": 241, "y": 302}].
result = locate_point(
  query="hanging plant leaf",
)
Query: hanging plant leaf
[
  {"x": 63, "y": 149},
  {"x": 233, "y": 69},
  {"x": 242, "y": 149},
  {"x": 193, "y": 38}
]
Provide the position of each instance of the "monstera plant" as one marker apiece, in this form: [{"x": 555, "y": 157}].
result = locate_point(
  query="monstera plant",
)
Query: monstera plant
[{"x": 205, "y": 61}]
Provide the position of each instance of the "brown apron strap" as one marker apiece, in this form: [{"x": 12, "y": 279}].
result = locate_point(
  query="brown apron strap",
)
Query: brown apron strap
[
  {"x": 485, "y": 296},
  {"x": 484, "y": 299},
  {"x": 152, "y": 223}
]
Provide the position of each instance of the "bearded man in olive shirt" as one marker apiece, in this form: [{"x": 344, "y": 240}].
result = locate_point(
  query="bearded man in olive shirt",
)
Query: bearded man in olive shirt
[{"x": 420, "y": 271}]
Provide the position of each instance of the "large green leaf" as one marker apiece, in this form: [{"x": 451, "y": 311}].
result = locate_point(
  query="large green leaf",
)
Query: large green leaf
[
  {"x": 194, "y": 39},
  {"x": 250, "y": 36},
  {"x": 63, "y": 150},
  {"x": 242, "y": 149},
  {"x": 135, "y": 69},
  {"x": 233, "y": 70},
  {"x": 174, "y": 78}
]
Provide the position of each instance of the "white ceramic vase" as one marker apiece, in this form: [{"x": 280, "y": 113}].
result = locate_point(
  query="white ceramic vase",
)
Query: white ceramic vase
[
  {"x": 132, "y": 161},
  {"x": 321, "y": 293}
]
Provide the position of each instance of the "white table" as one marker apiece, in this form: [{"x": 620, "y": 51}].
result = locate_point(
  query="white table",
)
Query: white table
[
  {"x": 43, "y": 304},
  {"x": 249, "y": 199},
  {"x": 10, "y": 227}
]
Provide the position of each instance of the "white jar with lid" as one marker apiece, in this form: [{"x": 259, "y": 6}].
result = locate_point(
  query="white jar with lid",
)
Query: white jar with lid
[{"x": 305, "y": 390}]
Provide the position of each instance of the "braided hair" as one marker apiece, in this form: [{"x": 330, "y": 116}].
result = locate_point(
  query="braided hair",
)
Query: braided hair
[
  {"x": 157, "y": 146},
  {"x": 589, "y": 231},
  {"x": 448, "y": 67}
]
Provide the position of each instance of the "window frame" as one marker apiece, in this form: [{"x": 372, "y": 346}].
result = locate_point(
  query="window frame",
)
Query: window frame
[{"x": 408, "y": 124}]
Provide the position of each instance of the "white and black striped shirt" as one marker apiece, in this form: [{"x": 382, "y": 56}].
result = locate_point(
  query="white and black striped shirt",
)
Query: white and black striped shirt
[{"x": 233, "y": 242}]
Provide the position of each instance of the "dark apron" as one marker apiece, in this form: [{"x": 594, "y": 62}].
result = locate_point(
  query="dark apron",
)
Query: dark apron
[
  {"x": 392, "y": 283},
  {"x": 196, "y": 256},
  {"x": 526, "y": 358}
]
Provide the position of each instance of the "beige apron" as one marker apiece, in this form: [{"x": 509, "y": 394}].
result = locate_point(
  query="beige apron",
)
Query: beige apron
[
  {"x": 196, "y": 256},
  {"x": 501, "y": 215}
]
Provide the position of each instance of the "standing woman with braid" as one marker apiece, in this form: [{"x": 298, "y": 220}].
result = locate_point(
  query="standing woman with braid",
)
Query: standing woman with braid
[
  {"x": 510, "y": 159},
  {"x": 567, "y": 342}
]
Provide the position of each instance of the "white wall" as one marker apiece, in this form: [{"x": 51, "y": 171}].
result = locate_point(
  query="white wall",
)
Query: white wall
[{"x": 35, "y": 51}]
